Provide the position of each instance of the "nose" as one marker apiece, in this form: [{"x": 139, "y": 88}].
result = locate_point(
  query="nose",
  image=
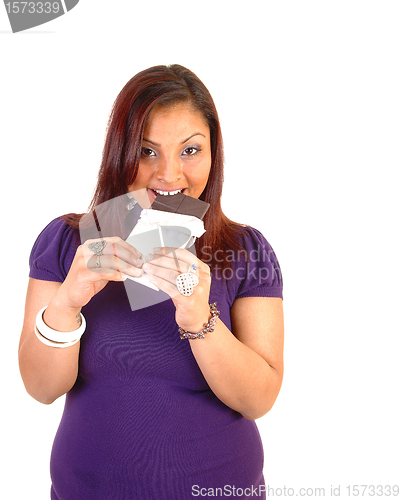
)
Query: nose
[{"x": 169, "y": 171}]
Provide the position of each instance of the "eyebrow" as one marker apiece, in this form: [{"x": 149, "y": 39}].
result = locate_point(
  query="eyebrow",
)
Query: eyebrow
[
  {"x": 193, "y": 135},
  {"x": 183, "y": 142}
]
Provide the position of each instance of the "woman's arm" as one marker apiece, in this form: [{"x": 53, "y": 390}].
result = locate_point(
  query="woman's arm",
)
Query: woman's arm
[
  {"x": 244, "y": 368},
  {"x": 49, "y": 372}
]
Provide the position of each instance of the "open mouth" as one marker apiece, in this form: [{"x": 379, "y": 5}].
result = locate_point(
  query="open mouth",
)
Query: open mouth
[{"x": 165, "y": 192}]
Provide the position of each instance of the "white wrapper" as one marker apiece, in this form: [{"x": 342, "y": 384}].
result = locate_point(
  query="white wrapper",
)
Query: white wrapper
[{"x": 156, "y": 228}]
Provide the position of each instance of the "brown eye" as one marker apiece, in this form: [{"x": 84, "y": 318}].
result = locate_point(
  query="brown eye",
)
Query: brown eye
[
  {"x": 147, "y": 152},
  {"x": 191, "y": 151}
]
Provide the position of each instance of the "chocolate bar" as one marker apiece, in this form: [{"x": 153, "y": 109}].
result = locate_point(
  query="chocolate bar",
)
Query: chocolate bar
[{"x": 181, "y": 204}]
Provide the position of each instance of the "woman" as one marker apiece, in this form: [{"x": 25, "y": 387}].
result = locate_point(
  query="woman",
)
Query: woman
[{"x": 147, "y": 414}]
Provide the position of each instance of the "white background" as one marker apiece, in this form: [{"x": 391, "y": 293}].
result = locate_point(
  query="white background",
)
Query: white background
[{"x": 309, "y": 98}]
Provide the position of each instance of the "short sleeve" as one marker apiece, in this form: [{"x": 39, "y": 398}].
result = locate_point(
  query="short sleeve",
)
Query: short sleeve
[
  {"x": 257, "y": 269},
  {"x": 53, "y": 252}
]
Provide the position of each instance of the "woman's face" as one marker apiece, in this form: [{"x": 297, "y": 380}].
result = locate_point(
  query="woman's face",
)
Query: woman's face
[{"x": 176, "y": 154}]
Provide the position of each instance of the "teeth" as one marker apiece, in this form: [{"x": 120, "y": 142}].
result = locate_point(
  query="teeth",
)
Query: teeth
[{"x": 167, "y": 193}]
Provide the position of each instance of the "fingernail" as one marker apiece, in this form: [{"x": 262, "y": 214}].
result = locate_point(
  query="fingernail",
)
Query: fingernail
[
  {"x": 149, "y": 257},
  {"x": 138, "y": 272},
  {"x": 157, "y": 249},
  {"x": 146, "y": 267}
]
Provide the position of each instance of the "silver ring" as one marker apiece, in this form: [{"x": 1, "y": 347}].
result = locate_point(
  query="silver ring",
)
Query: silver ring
[
  {"x": 97, "y": 246},
  {"x": 187, "y": 281}
]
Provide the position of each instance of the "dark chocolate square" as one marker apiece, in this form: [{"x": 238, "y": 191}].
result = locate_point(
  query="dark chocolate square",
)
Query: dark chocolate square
[
  {"x": 194, "y": 207},
  {"x": 168, "y": 203},
  {"x": 181, "y": 204}
]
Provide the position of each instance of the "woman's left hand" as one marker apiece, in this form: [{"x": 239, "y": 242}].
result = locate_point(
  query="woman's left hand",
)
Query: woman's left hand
[{"x": 163, "y": 267}]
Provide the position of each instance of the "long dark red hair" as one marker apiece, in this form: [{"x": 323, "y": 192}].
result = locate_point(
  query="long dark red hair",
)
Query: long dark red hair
[{"x": 163, "y": 85}]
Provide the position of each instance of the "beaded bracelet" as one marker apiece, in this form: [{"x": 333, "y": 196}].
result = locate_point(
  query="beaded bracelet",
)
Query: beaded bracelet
[{"x": 209, "y": 326}]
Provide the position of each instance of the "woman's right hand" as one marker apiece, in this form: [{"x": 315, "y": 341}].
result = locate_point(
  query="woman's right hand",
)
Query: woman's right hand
[
  {"x": 49, "y": 373},
  {"x": 84, "y": 280}
]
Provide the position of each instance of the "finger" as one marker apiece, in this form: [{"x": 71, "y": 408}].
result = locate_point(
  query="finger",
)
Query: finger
[
  {"x": 111, "y": 239},
  {"x": 165, "y": 286},
  {"x": 108, "y": 275},
  {"x": 169, "y": 275},
  {"x": 166, "y": 280},
  {"x": 167, "y": 262},
  {"x": 123, "y": 253},
  {"x": 175, "y": 253},
  {"x": 111, "y": 263},
  {"x": 123, "y": 244},
  {"x": 118, "y": 241},
  {"x": 115, "y": 246},
  {"x": 180, "y": 259}
]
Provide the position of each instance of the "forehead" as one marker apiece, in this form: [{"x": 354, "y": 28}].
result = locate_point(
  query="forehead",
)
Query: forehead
[{"x": 175, "y": 120}]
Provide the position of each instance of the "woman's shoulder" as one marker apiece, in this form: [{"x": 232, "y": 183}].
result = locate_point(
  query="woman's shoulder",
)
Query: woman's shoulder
[
  {"x": 57, "y": 228},
  {"x": 254, "y": 246},
  {"x": 252, "y": 237},
  {"x": 53, "y": 251},
  {"x": 256, "y": 270}
]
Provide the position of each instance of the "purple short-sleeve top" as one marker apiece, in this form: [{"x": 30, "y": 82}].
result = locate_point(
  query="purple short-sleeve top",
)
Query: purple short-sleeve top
[{"x": 141, "y": 421}]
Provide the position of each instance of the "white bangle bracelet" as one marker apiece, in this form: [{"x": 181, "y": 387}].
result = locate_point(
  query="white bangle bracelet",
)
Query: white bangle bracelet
[
  {"x": 54, "y": 338},
  {"x": 50, "y": 343}
]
